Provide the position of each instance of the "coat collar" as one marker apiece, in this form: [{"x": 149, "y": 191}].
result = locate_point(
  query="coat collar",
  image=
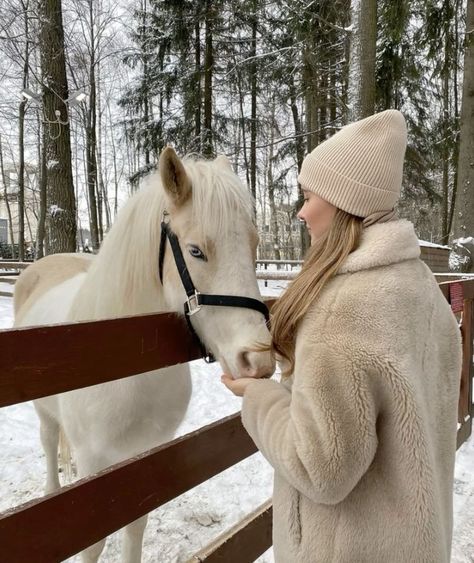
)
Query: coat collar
[{"x": 383, "y": 244}]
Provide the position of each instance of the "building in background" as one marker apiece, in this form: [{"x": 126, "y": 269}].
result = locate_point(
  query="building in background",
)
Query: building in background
[{"x": 31, "y": 205}]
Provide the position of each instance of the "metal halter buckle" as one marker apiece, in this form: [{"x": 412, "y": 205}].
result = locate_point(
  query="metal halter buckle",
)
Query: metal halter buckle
[{"x": 193, "y": 304}]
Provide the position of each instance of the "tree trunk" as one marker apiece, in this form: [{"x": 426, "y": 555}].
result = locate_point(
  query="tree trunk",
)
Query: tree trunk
[
  {"x": 271, "y": 189},
  {"x": 21, "y": 144},
  {"x": 91, "y": 141},
  {"x": 41, "y": 230},
  {"x": 146, "y": 102},
  {"x": 114, "y": 157},
  {"x": 464, "y": 215},
  {"x": 101, "y": 156},
  {"x": 446, "y": 130},
  {"x": 208, "y": 70},
  {"x": 305, "y": 240},
  {"x": 21, "y": 180},
  {"x": 61, "y": 219},
  {"x": 197, "y": 83},
  {"x": 457, "y": 15},
  {"x": 362, "y": 59},
  {"x": 253, "y": 105},
  {"x": 310, "y": 89},
  {"x": 242, "y": 123}
]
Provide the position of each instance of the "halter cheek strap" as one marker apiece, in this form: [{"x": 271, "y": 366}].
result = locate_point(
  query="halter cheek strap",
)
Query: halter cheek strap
[{"x": 195, "y": 300}]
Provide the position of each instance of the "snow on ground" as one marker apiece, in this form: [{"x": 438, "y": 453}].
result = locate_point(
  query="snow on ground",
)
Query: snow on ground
[
  {"x": 184, "y": 525},
  {"x": 6, "y": 287},
  {"x": 6, "y": 312}
]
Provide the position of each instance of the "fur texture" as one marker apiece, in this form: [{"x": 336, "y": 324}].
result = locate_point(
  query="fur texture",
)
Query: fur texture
[{"x": 363, "y": 435}]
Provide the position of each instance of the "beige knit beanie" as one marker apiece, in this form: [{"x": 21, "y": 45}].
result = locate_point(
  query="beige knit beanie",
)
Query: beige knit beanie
[{"x": 359, "y": 169}]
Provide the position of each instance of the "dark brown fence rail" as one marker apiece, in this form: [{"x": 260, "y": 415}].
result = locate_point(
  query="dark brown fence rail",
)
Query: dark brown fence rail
[
  {"x": 240, "y": 542},
  {"x": 37, "y": 362},
  {"x": 54, "y": 527},
  {"x": 460, "y": 294},
  {"x": 63, "y": 523}
]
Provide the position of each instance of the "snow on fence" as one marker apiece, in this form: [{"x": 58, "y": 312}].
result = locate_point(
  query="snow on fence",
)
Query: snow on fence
[{"x": 41, "y": 361}]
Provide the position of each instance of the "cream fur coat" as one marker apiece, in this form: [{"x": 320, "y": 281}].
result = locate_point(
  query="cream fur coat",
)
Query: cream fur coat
[{"x": 363, "y": 437}]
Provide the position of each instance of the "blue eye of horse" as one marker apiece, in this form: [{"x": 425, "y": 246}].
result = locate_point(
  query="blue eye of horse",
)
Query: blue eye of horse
[{"x": 196, "y": 252}]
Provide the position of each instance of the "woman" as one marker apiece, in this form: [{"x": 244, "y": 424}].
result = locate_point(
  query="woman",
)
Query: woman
[{"x": 361, "y": 431}]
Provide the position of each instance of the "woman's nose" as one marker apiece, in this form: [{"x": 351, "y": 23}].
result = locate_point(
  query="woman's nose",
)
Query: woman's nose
[{"x": 300, "y": 215}]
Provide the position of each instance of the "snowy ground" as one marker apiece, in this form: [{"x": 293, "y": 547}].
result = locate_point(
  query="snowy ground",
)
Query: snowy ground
[{"x": 178, "y": 529}]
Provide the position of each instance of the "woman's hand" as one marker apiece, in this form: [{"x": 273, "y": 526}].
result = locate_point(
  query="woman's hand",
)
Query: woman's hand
[{"x": 237, "y": 386}]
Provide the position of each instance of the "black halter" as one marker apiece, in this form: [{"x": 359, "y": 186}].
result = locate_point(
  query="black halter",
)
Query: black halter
[{"x": 196, "y": 300}]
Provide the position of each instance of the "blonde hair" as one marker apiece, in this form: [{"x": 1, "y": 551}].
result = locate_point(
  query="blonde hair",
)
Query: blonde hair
[{"x": 322, "y": 261}]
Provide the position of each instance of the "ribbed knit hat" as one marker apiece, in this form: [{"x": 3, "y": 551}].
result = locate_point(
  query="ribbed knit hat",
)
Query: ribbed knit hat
[{"x": 359, "y": 169}]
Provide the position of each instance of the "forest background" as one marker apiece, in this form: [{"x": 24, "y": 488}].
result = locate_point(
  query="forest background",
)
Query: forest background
[{"x": 92, "y": 90}]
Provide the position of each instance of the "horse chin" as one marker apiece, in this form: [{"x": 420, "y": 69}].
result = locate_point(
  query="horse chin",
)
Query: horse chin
[{"x": 226, "y": 368}]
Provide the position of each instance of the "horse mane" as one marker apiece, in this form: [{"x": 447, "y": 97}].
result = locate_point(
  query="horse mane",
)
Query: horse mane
[{"x": 124, "y": 276}]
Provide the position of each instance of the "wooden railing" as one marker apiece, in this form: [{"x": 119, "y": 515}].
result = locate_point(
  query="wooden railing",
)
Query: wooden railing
[
  {"x": 14, "y": 264},
  {"x": 460, "y": 294},
  {"x": 42, "y": 361}
]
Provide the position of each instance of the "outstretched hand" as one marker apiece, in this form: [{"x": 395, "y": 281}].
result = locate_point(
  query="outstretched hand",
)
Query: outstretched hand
[{"x": 237, "y": 386}]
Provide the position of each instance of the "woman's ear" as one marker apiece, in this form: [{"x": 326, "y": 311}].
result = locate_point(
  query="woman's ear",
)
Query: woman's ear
[{"x": 175, "y": 181}]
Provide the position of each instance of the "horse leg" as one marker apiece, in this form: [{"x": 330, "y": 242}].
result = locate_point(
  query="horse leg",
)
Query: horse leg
[
  {"x": 87, "y": 464},
  {"x": 49, "y": 434},
  {"x": 133, "y": 539},
  {"x": 92, "y": 553}
]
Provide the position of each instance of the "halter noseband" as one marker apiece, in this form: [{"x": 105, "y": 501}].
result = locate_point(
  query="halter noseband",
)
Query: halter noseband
[{"x": 195, "y": 300}]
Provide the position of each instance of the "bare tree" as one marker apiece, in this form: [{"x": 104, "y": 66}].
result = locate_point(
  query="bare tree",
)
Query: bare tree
[{"x": 61, "y": 216}]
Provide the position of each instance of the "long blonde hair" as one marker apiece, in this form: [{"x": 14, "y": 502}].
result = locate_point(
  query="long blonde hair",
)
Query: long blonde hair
[{"x": 322, "y": 261}]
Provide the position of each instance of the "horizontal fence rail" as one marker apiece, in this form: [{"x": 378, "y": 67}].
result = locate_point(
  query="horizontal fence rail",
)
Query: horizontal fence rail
[
  {"x": 250, "y": 537},
  {"x": 14, "y": 265},
  {"x": 276, "y": 275},
  {"x": 54, "y": 527},
  {"x": 42, "y": 361},
  {"x": 280, "y": 262},
  {"x": 64, "y": 523}
]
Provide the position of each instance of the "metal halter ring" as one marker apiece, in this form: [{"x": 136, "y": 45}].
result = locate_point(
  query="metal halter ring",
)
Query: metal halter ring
[{"x": 192, "y": 304}]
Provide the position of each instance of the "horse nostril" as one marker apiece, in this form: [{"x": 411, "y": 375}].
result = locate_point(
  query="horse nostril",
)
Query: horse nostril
[
  {"x": 243, "y": 359},
  {"x": 245, "y": 365}
]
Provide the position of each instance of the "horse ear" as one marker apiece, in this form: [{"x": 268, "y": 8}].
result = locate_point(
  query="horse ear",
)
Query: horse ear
[
  {"x": 173, "y": 177},
  {"x": 224, "y": 161}
]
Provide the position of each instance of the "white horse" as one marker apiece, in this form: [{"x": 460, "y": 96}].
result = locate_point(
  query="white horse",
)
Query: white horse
[{"x": 210, "y": 211}]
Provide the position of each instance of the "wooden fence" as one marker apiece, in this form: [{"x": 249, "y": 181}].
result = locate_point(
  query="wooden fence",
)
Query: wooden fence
[{"x": 41, "y": 361}]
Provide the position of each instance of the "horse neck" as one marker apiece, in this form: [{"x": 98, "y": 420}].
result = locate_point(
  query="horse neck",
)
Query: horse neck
[{"x": 123, "y": 280}]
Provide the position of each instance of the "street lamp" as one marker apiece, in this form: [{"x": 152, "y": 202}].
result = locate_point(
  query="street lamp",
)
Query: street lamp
[
  {"x": 73, "y": 101},
  {"x": 76, "y": 99}
]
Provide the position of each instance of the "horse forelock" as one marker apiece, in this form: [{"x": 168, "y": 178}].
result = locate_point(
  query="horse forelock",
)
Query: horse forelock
[{"x": 219, "y": 199}]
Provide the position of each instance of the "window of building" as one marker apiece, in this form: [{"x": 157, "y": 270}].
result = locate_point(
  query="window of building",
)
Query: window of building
[{"x": 4, "y": 230}]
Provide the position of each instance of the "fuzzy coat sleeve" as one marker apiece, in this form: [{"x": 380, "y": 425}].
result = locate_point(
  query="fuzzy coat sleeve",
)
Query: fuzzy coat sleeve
[{"x": 321, "y": 437}]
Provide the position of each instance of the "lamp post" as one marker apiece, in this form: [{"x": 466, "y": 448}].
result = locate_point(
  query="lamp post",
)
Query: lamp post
[{"x": 73, "y": 101}]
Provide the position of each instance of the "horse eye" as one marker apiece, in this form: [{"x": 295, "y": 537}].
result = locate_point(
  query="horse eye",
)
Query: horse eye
[{"x": 196, "y": 252}]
